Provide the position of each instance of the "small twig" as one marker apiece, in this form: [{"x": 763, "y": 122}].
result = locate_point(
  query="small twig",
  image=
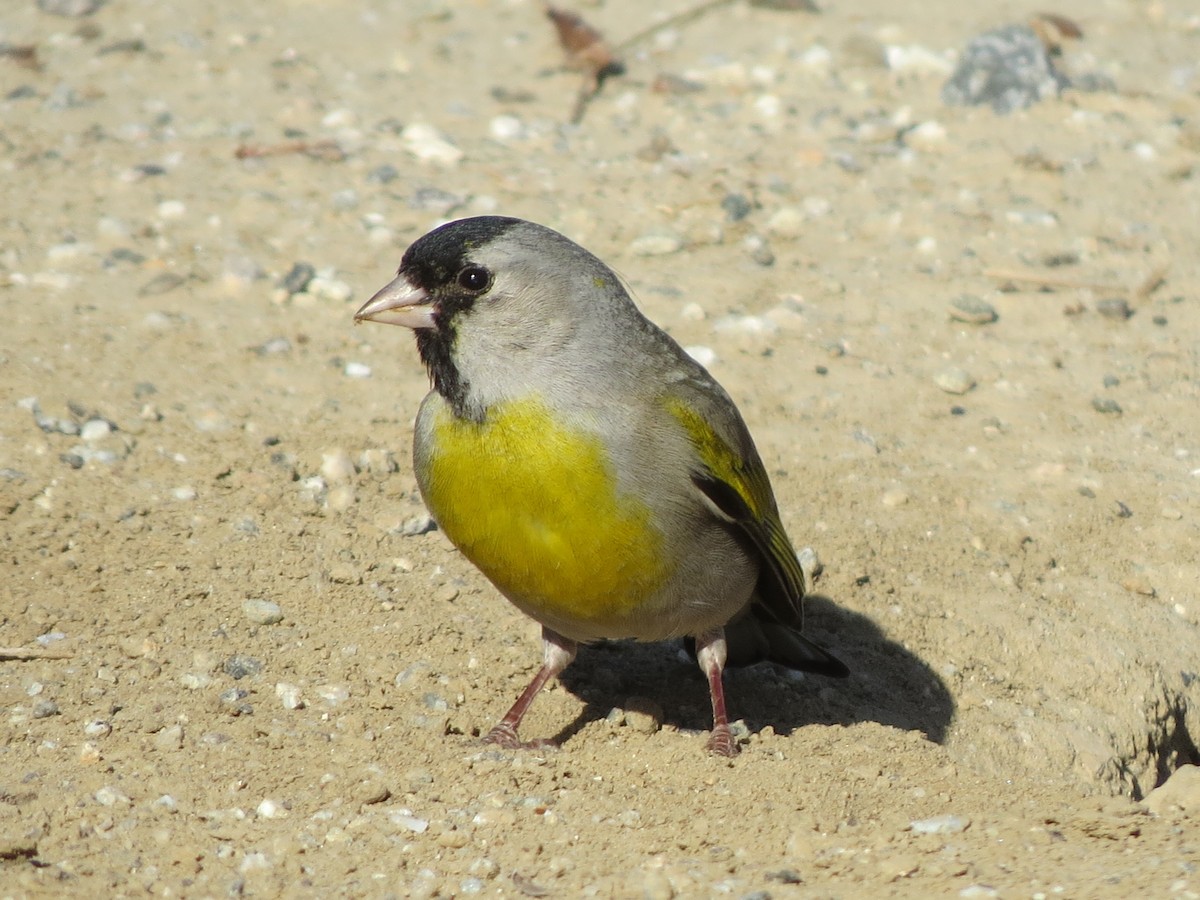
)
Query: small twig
[
  {"x": 688, "y": 15},
  {"x": 26, "y": 653},
  {"x": 326, "y": 149}
]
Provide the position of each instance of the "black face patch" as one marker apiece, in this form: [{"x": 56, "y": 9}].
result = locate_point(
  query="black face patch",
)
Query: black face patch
[
  {"x": 435, "y": 260},
  {"x": 440, "y": 264}
]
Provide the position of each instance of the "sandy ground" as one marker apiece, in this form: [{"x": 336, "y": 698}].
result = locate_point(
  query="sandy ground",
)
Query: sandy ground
[{"x": 1010, "y": 571}]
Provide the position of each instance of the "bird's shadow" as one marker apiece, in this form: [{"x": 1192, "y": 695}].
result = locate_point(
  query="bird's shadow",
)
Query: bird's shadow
[{"x": 888, "y": 683}]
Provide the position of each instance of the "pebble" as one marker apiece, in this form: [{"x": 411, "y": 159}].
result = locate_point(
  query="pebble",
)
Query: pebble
[
  {"x": 333, "y": 694},
  {"x": 44, "y": 709},
  {"x": 378, "y": 461},
  {"x": 384, "y": 174},
  {"x": 340, "y": 498},
  {"x": 97, "y": 728},
  {"x": 974, "y": 310},
  {"x": 211, "y": 420},
  {"x": 238, "y": 666},
  {"x": 787, "y": 222},
  {"x": 233, "y": 701},
  {"x": 262, "y": 612},
  {"x": 357, "y": 370},
  {"x": 506, "y": 128},
  {"x": 110, "y": 796},
  {"x": 427, "y": 144},
  {"x": 643, "y": 715},
  {"x": 1136, "y": 584},
  {"x": 289, "y": 695},
  {"x": 169, "y": 738},
  {"x": 1179, "y": 793},
  {"x": 744, "y": 324},
  {"x": 954, "y": 380},
  {"x": 269, "y": 809},
  {"x": 297, "y": 278},
  {"x": 403, "y": 818},
  {"x": 736, "y": 207},
  {"x": 337, "y": 467},
  {"x": 1115, "y": 308},
  {"x": 184, "y": 493},
  {"x": 659, "y": 242},
  {"x": 195, "y": 681},
  {"x": 1107, "y": 406},
  {"x": 945, "y": 824},
  {"x": 1007, "y": 68},
  {"x": 370, "y": 791},
  {"x": 916, "y": 59},
  {"x": 172, "y": 209},
  {"x": 421, "y": 523},
  {"x": 759, "y": 249},
  {"x": 706, "y": 356},
  {"x": 895, "y": 497},
  {"x": 329, "y": 288}
]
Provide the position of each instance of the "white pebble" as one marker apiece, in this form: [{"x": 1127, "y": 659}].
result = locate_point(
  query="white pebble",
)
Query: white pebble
[
  {"x": 736, "y": 324},
  {"x": 329, "y": 289},
  {"x": 254, "y": 862},
  {"x": 954, "y": 380},
  {"x": 403, "y": 818},
  {"x": 67, "y": 251},
  {"x": 926, "y": 136},
  {"x": 195, "y": 681},
  {"x": 167, "y": 802},
  {"x": 357, "y": 370},
  {"x": 172, "y": 209},
  {"x": 706, "y": 356},
  {"x": 184, "y": 493},
  {"x": 97, "y": 728},
  {"x": 661, "y": 242},
  {"x": 693, "y": 312},
  {"x": 424, "y": 142},
  {"x": 262, "y": 612},
  {"x": 506, "y": 128},
  {"x": 817, "y": 58},
  {"x": 945, "y": 824},
  {"x": 95, "y": 430},
  {"x": 333, "y": 694},
  {"x": 337, "y": 467},
  {"x": 917, "y": 59},
  {"x": 787, "y": 222},
  {"x": 289, "y": 695},
  {"x": 339, "y": 118},
  {"x": 110, "y": 796},
  {"x": 269, "y": 809},
  {"x": 768, "y": 105}
]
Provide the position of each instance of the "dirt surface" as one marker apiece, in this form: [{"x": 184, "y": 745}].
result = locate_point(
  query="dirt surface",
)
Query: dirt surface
[{"x": 231, "y": 666}]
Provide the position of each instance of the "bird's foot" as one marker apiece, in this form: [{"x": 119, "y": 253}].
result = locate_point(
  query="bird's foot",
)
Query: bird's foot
[
  {"x": 505, "y": 735},
  {"x": 721, "y": 743}
]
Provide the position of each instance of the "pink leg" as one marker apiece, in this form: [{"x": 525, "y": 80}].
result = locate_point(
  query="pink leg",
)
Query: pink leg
[
  {"x": 557, "y": 653},
  {"x": 710, "y": 653}
]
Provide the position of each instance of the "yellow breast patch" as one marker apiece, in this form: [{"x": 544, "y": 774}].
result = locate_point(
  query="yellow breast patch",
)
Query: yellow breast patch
[{"x": 535, "y": 506}]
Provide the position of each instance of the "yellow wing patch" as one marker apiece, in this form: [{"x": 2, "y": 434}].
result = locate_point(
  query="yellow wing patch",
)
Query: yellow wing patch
[
  {"x": 535, "y": 506},
  {"x": 759, "y": 518}
]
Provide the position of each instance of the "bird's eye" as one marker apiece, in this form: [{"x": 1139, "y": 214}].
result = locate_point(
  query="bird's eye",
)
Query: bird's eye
[{"x": 475, "y": 279}]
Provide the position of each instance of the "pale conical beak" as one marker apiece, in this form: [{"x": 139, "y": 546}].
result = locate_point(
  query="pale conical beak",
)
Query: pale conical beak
[{"x": 399, "y": 303}]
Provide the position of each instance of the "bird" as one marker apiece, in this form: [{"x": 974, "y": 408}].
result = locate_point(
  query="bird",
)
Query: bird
[{"x": 595, "y": 473}]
